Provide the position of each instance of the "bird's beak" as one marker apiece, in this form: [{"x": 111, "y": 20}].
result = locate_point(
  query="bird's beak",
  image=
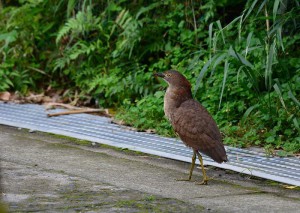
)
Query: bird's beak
[{"x": 159, "y": 75}]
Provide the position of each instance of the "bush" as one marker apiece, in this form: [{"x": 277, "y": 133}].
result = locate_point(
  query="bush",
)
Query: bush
[{"x": 241, "y": 57}]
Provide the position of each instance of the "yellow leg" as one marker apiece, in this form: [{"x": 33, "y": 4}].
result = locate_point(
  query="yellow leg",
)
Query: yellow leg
[
  {"x": 205, "y": 178},
  {"x": 192, "y": 168}
]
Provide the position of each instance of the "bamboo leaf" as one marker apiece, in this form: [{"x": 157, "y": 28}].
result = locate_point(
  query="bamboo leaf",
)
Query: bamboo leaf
[
  {"x": 232, "y": 22},
  {"x": 250, "y": 9},
  {"x": 250, "y": 49},
  {"x": 221, "y": 30},
  {"x": 279, "y": 37},
  {"x": 70, "y": 7},
  {"x": 247, "y": 113},
  {"x": 278, "y": 91},
  {"x": 295, "y": 121},
  {"x": 238, "y": 56},
  {"x": 226, "y": 68},
  {"x": 248, "y": 43},
  {"x": 210, "y": 29},
  {"x": 291, "y": 95},
  {"x": 219, "y": 60},
  {"x": 261, "y": 6},
  {"x": 202, "y": 73},
  {"x": 251, "y": 76},
  {"x": 238, "y": 73},
  {"x": 268, "y": 72},
  {"x": 275, "y": 9}
]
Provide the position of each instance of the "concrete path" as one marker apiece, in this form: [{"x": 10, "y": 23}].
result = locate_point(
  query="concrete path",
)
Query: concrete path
[{"x": 42, "y": 172}]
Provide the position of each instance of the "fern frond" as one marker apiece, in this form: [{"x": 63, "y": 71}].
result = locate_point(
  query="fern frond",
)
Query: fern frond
[{"x": 83, "y": 22}]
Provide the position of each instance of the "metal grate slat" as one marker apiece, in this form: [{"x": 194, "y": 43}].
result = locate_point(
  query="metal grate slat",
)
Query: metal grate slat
[{"x": 101, "y": 130}]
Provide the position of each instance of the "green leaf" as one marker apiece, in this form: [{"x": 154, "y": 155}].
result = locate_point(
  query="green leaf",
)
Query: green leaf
[
  {"x": 295, "y": 121},
  {"x": 226, "y": 68},
  {"x": 270, "y": 139},
  {"x": 291, "y": 95},
  {"x": 275, "y": 9},
  {"x": 278, "y": 91},
  {"x": 221, "y": 30},
  {"x": 247, "y": 113},
  {"x": 8, "y": 38},
  {"x": 269, "y": 65},
  {"x": 250, "y": 9},
  {"x": 202, "y": 73},
  {"x": 238, "y": 56}
]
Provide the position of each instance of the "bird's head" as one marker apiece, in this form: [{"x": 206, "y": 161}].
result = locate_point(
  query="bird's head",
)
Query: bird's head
[{"x": 174, "y": 79}]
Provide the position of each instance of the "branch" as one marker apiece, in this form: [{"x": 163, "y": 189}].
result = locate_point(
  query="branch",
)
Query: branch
[{"x": 77, "y": 111}]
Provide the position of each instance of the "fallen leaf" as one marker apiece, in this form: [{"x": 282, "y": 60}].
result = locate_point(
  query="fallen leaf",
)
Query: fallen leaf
[
  {"x": 150, "y": 131},
  {"x": 289, "y": 187}
]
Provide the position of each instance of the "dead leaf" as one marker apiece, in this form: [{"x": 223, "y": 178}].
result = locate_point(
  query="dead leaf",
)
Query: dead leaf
[
  {"x": 150, "y": 131},
  {"x": 4, "y": 96},
  {"x": 119, "y": 122},
  {"x": 46, "y": 99},
  {"x": 289, "y": 187}
]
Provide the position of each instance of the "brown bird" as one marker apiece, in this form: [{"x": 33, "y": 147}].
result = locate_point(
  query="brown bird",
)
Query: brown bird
[{"x": 191, "y": 121}]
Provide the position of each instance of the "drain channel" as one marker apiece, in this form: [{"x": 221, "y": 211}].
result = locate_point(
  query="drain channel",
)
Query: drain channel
[{"x": 101, "y": 130}]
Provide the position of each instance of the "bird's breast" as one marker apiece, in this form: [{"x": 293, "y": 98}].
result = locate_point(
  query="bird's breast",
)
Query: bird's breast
[{"x": 171, "y": 103}]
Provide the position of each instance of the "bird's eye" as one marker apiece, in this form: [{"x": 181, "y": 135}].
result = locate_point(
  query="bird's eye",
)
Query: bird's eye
[{"x": 168, "y": 74}]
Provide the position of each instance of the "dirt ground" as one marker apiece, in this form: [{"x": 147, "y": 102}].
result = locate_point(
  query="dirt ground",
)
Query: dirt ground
[{"x": 49, "y": 173}]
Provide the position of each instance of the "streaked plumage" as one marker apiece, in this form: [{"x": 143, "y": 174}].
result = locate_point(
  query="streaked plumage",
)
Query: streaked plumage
[{"x": 191, "y": 121}]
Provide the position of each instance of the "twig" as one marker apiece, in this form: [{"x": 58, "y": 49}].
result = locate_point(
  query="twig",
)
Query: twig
[
  {"x": 77, "y": 111},
  {"x": 67, "y": 106}
]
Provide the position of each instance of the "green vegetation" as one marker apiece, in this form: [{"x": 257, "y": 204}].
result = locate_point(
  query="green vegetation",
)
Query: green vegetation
[{"x": 242, "y": 58}]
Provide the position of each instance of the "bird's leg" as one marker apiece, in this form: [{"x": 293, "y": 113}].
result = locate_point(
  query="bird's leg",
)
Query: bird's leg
[
  {"x": 205, "y": 178},
  {"x": 191, "y": 170}
]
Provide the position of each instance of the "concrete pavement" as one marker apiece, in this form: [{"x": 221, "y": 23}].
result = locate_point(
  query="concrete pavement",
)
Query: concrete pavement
[{"x": 42, "y": 172}]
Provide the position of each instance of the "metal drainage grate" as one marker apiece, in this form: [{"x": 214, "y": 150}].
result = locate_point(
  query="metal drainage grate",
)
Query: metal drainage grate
[{"x": 101, "y": 130}]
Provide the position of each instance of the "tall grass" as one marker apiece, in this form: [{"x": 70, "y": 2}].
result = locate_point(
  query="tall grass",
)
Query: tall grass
[{"x": 254, "y": 48}]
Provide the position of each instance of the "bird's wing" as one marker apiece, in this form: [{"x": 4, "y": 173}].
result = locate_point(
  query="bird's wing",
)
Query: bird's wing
[{"x": 198, "y": 130}]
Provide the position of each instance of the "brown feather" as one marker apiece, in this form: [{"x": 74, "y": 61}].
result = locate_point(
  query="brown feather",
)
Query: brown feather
[
  {"x": 198, "y": 130},
  {"x": 190, "y": 120}
]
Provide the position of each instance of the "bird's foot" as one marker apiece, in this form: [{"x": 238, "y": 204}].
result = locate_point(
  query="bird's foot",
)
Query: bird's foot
[
  {"x": 204, "y": 181},
  {"x": 183, "y": 179}
]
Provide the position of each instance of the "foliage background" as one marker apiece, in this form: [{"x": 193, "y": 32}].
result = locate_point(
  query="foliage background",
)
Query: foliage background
[{"x": 242, "y": 58}]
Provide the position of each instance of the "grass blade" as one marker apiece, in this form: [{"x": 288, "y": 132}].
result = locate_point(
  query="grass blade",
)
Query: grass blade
[
  {"x": 221, "y": 30},
  {"x": 268, "y": 72},
  {"x": 210, "y": 29},
  {"x": 238, "y": 73},
  {"x": 219, "y": 60},
  {"x": 250, "y": 9},
  {"x": 275, "y": 9},
  {"x": 202, "y": 73},
  {"x": 279, "y": 37},
  {"x": 261, "y": 7},
  {"x": 248, "y": 43},
  {"x": 238, "y": 56},
  {"x": 295, "y": 121},
  {"x": 291, "y": 95},
  {"x": 278, "y": 91},
  {"x": 226, "y": 68},
  {"x": 247, "y": 113}
]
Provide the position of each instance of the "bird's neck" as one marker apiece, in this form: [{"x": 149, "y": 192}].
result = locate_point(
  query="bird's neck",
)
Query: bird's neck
[{"x": 174, "y": 97}]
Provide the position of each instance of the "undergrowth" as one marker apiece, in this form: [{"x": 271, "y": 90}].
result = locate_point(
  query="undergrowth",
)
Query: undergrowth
[{"x": 242, "y": 58}]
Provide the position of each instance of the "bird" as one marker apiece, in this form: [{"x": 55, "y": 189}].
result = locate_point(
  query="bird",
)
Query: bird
[{"x": 191, "y": 122}]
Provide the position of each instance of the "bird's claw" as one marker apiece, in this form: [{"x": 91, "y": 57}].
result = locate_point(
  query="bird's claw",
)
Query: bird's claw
[
  {"x": 183, "y": 179},
  {"x": 203, "y": 182}
]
